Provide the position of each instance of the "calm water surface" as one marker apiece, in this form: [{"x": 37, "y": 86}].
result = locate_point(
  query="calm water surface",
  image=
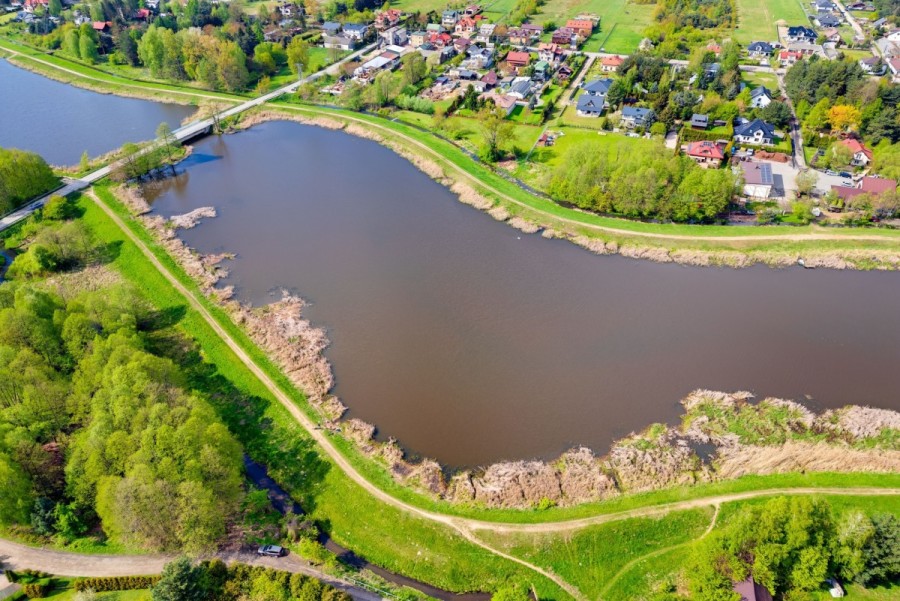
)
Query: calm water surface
[
  {"x": 60, "y": 122},
  {"x": 472, "y": 342}
]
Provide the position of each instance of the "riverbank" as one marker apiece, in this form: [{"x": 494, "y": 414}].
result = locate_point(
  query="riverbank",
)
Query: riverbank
[
  {"x": 779, "y": 246},
  {"x": 657, "y": 458}
]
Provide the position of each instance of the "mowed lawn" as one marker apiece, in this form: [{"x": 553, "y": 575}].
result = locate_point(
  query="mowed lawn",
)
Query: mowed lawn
[
  {"x": 757, "y": 18},
  {"x": 622, "y": 23}
]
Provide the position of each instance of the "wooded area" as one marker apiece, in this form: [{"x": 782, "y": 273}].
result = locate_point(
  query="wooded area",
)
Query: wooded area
[{"x": 23, "y": 175}]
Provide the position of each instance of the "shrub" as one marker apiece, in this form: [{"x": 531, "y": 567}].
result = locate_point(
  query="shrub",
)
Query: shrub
[
  {"x": 115, "y": 583},
  {"x": 36, "y": 590}
]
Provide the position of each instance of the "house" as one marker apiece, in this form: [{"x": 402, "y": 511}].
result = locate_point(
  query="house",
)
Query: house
[
  {"x": 518, "y": 60},
  {"x": 873, "y": 65},
  {"x": 418, "y": 38},
  {"x": 879, "y": 23},
  {"x": 699, "y": 121},
  {"x": 520, "y": 89},
  {"x": 287, "y": 10},
  {"x": 894, "y": 66},
  {"x": 449, "y": 18},
  {"x": 479, "y": 58},
  {"x": 101, "y": 26},
  {"x": 711, "y": 71},
  {"x": 827, "y": 19},
  {"x": 465, "y": 26},
  {"x": 789, "y": 57},
  {"x": 760, "y": 97},
  {"x": 582, "y": 27},
  {"x": 339, "y": 42},
  {"x": 590, "y": 106},
  {"x": 832, "y": 35},
  {"x": 824, "y": 5},
  {"x": 489, "y": 80},
  {"x": 331, "y": 28},
  {"x": 518, "y": 36},
  {"x": 637, "y": 117},
  {"x": 611, "y": 63},
  {"x": 806, "y": 49},
  {"x": 395, "y": 36},
  {"x": 485, "y": 32},
  {"x": 760, "y": 49},
  {"x": 472, "y": 10},
  {"x": 563, "y": 73},
  {"x": 30, "y": 5},
  {"x": 434, "y": 28},
  {"x": 748, "y": 589},
  {"x": 862, "y": 156},
  {"x": 887, "y": 48},
  {"x": 533, "y": 29},
  {"x": 706, "y": 153},
  {"x": 386, "y": 61},
  {"x": 356, "y": 31},
  {"x": 714, "y": 48},
  {"x": 597, "y": 88},
  {"x": 565, "y": 36},
  {"x": 549, "y": 52},
  {"x": 388, "y": 18},
  {"x": 507, "y": 103},
  {"x": 874, "y": 186},
  {"x": 801, "y": 33},
  {"x": 756, "y": 132},
  {"x": 461, "y": 44},
  {"x": 542, "y": 70}
]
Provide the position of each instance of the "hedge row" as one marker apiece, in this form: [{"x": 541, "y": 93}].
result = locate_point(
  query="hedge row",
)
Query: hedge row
[
  {"x": 36, "y": 590},
  {"x": 115, "y": 583}
]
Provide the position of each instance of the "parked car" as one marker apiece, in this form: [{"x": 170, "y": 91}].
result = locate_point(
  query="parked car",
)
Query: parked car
[
  {"x": 845, "y": 174},
  {"x": 831, "y": 172},
  {"x": 272, "y": 551},
  {"x": 847, "y": 183}
]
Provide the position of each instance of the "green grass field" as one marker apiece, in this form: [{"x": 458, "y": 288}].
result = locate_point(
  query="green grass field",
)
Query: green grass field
[
  {"x": 69, "y": 595},
  {"x": 757, "y": 18}
]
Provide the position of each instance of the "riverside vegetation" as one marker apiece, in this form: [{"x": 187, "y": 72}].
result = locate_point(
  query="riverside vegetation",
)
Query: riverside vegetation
[{"x": 388, "y": 536}]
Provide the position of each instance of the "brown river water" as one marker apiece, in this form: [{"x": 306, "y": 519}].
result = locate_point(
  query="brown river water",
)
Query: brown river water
[{"x": 472, "y": 342}]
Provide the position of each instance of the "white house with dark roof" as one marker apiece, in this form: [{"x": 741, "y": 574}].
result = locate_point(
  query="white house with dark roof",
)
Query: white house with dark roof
[
  {"x": 801, "y": 33},
  {"x": 637, "y": 117},
  {"x": 760, "y": 97},
  {"x": 756, "y": 132},
  {"x": 760, "y": 49}
]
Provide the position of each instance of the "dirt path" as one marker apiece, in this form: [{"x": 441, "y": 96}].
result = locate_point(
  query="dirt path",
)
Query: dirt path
[{"x": 61, "y": 563}]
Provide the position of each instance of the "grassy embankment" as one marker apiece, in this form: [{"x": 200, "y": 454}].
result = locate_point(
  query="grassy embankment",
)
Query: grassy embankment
[{"x": 383, "y": 534}]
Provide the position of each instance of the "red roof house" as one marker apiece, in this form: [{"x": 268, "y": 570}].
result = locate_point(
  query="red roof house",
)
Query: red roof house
[
  {"x": 101, "y": 25},
  {"x": 517, "y": 60},
  {"x": 862, "y": 156},
  {"x": 583, "y": 27},
  {"x": 706, "y": 153},
  {"x": 611, "y": 63},
  {"x": 869, "y": 185},
  {"x": 752, "y": 591}
]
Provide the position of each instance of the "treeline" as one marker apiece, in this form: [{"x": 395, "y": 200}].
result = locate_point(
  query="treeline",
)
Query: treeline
[
  {"x": 23, "y": 176},
  {"x": 97, "y": 428},
  {"x": 214, "y": 581},
  {"x": 792, "y": 546},
  {"x": 616, "y": 179}
]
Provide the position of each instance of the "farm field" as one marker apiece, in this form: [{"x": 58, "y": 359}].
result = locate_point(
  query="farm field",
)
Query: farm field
[{"x": 757, "y": 18}]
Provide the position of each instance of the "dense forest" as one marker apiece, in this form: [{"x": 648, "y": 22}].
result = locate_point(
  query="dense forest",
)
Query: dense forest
[
  {"x": 791, "y": 546},
  {"x": 97, "y": 426},
  {"x": 23, "y": 175},
  {"x": 616, "y": 180}
]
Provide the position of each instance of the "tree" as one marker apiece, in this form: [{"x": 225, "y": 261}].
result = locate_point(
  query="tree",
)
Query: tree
[
  {"x": 87, "y": 49},
  {"x": 14, "y": 491},
  {"x": 778, "y": 113},
  {"x": 496, "y": 130},
  {"x": 510, "y": 592},
  {"x": 817, "y": 118},
  {"x": 23, "y": 176},
  {"x": 180, "y": 581},
  {"x": 298, "y": 55},
  {"x": 231, "y": 67},
  {"x": 882, "y": 551},
  {"x": 55, "y": 7},
  {"x": 414, "y": 68},
  {"x": 58, "y": 208},
  {"x": 70, "y": 43},
  {"x": 844, "y": 117},
  {"x": 806, "y": 182},
  {"x": 382, "y": 89},
  {"x": 164, "y": 135}
]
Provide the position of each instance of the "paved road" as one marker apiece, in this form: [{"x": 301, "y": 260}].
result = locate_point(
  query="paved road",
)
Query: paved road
[
  {"x": 61, "y": 563},
  {"x": 181, "y": 134}
]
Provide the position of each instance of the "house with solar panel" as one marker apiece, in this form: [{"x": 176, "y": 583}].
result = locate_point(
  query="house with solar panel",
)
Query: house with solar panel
[{"x": 758, "y": 179}]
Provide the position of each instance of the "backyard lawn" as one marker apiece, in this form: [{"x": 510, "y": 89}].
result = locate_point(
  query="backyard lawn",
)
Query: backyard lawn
[
  {"x": 755, "y": 79},
  {"x": 757, "y": 18}
]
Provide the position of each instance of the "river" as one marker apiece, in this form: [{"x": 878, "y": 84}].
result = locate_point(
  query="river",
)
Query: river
[
  {"x": 471, "y": 342},
  {"x": 60, "y": 121}
]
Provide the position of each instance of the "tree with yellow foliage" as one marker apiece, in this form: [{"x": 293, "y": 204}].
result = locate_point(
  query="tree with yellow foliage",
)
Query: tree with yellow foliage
[{"x": 844, "y": 117}]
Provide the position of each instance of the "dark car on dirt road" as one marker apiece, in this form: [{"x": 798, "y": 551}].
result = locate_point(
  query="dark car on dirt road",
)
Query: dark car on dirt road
[{"x": 272, "y": 551}]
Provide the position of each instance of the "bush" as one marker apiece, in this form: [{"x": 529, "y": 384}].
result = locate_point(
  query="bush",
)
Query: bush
[
  {"x": 414, "y": 103},
  {"x": 36, "y": 590},
  {"x": 115, "y": 583}
]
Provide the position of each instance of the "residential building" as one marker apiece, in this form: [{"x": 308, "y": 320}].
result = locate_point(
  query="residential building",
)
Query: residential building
[
  {"x": 507, "y": 103},
  {"x": 706, "y": 153},
  {"x": 789, "y": 57},
  {"x": 388, "y": 18},
  {"x": 894, "y": 66},
  {"x": 479, "y": 58},
  {"x": 472, "y": 10},
  {"x": 611, "y": 63},
  {"x": 533, "y": 29},
  {"x": 590, "y": 106},
  {"x": 521, "y": 88},
  {"x": 760, "y": 49},
  {"x": 760, "y": 97},
  {"x": 549, "y": 52},
  {"x": 518, "y": 36},
  {"x": 434, "y": 28},
  {"x": 517, "y": 60},
  {"x": 758, "y": 181},
  {"x": 827, "y": 19},
  {"x": 637, "y": 117},
  {"x": 824, "y": 6},
  {"x": 756, "y": 132},
  {"x": 832, "y": 35},
  {"x": 396, "y": 36},
  {"x": 356, "y": 31},
  {"x": 486, "y": 33},
  {"x": 711, "y": 71},
  {"x": 862, "y": 155},
  {"x": 565, "y": 36},
  {"x": 582, "y": 27},
  {"x": 465, "y": 26},
  {"x": 418, "y": 38},
  {"x": 331, "y": 28},
  {"x": 806, "y": 49},
  {"x": 597, "y": 88},
  {"x": 873, "y": 186},
  {"x": 490, "y": 79},
  {"x": 714, "y": 48},
  {"x": 461, "y": 44},
  {"x": 873, "y": 65},
  {"x": 887, "y": 48},
  {"x": 801, "y": 33},
  {"x": 699, "y": 121},
  {"x": 749, "y": 590},
  {"x": 339, "y": 42},
  {"x": 449, "y": 18}
]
